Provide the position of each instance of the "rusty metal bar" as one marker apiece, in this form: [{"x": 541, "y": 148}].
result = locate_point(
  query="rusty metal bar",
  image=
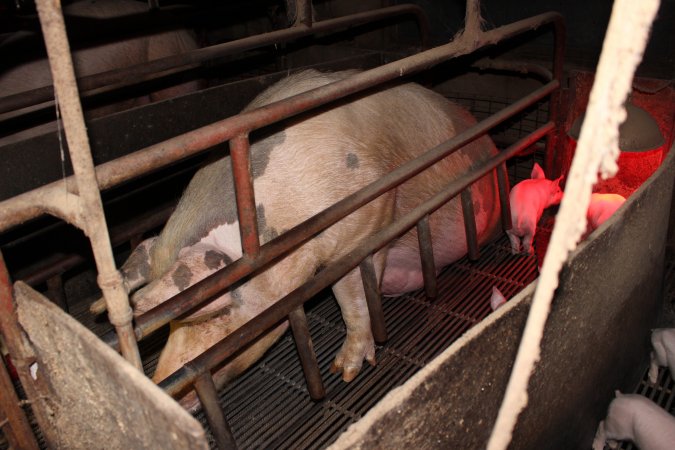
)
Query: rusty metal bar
[
  {"x": 196, "y": 294},
  {"x": 22, "y": 356},
  {"x": 553, "y": 139},
  {"x": 470, "y": 225},
  {"x": 118, "y": 235},
  {"x": 504, "y": 202},
  {"x": 103, "y": 82},
  {"x": 303, "y": 12},
  {"x": 32, "y": 204},
  {"x": 427, "y": 257},
  {"x": 373, "y": 299},
  {"x": 87, "y": 211},
  {"x": 56, "y": 293},
  {"x": 275, "y": 313},
  {"x": 17, "y": 430},
  {"x": 243, "y": 182},
  {"x": 514, "y": 66},
  {"x": 208, "y": 396},
  {"x": 303, "y": 343}
]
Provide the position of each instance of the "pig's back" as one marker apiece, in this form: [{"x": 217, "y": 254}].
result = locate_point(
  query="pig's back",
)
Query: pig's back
[{"x": 316, "y": 162}]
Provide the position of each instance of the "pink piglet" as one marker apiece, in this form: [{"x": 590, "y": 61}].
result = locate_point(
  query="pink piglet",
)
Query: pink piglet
[
  {"x": 528, "y": 200},
  {"x": 602, "y": 206}
]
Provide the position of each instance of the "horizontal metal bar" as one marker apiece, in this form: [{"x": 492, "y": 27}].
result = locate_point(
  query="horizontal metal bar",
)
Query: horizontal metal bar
[
  {"x": 31, "y": 204},
  {"x": 275, "y": 313},
  {"x": 212, "y": 285},
  {"x": 113, "y": 79}
]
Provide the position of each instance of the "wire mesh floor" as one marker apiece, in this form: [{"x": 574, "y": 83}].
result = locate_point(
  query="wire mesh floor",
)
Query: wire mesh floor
[
  {"x": 663, "y": 392},
  {"x": 269, "y": 406}
]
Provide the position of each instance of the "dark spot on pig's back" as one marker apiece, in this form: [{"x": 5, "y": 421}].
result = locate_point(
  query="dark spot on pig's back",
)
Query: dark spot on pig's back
[
  {"x": 352, "y": 161},
  {"x": 214, "y": 259},
  {"x": 261, "y": 150},
  {"x": 181, "y": 276}
]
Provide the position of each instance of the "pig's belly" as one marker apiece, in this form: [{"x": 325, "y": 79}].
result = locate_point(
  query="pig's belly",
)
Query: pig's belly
[{"x": 403, "y": 269}]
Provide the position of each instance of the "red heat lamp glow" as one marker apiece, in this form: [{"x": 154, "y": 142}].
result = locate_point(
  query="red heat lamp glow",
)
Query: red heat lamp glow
[{"x": 641, "y": 144}]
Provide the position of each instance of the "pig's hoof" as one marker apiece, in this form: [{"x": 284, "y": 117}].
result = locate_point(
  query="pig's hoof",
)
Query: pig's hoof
[{"x": 350, "y": 358}]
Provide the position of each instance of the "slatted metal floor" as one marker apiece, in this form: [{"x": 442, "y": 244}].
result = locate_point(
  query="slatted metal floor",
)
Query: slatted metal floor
[
  {"x": 663, "y": 392},
  {"x": 269, "y": 407}
]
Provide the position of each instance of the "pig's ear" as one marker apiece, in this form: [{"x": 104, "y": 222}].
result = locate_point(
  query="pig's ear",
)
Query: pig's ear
[
  {"x": 537, "y": 172},
  {"x": 497, "y": 298},
  {"x": 558, "y": 180}
]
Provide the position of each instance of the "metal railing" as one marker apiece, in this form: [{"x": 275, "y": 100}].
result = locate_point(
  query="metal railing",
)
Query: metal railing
[{"x": 236, "y": 129}]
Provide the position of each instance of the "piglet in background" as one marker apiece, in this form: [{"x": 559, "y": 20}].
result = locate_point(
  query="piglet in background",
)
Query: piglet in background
[
  {"x": 663, "y": 353},
  {"x": 528, "y": 200},
  {"x": 601, "y": 207},
  {"x": 635, "y": 418},
  {"x": 497, "y": 299}
]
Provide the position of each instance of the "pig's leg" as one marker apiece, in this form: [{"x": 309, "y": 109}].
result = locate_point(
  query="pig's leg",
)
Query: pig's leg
[
  {"x": 515, "y": 242},
  {"x": 527, "y": 243},
  {"x": 359, "y": 343}
]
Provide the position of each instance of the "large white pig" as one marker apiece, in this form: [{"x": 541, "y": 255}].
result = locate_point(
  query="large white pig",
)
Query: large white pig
[
  {"x": 632, "y": 417},
  {"x": 297, "y": 172},
  {"x": 35, "y": 73},
  {"x": 528, "y": 199}
]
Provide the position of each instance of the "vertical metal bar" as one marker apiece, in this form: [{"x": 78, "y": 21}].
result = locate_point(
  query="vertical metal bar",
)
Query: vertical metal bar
[
  {"x": 427, "y": 256},
  {"x": 208, "y": 396},
  {"x": 372, "y": 289},
  {"x": 303, "y": 343},
  {"x": 243, "y": 186},
  {"x": 89, "y": 217},
  {"x": 470, "y": 224},
  {"x": 18, "y": 433},
  {"x": 56, "y": 293},
  {"x": 504, "y": 190},
  {"x": 21, "y": 357},
  {"x": 553, "y": 139},
  {"x": 303, "y": 9}
]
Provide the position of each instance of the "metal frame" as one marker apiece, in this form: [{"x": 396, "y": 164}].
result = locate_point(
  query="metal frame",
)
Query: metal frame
[
  {"x": 236, "y": 129},
  {"x": 114, "y": 79}
]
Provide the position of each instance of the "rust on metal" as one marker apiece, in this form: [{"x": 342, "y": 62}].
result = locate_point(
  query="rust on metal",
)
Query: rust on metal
[
  {"x": 470, "y": 224},
  {"x": 206, "y": 391},
  {"x": 504, "y": 202},
  {"x": 275, "y": 313},
  {"x": 16, "y": 427},
  {"x": 303, "y": 343},
  {"x": 197, "y": 294},
  {"x": 32, "y": 204},
  {"x": 427, "y": 257},
  {"x": 373, "y": 299},
  {"x": 105, "y": 81},
  {"x": 241, "y": 171},
  {"x": 89, "y": 215}
]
